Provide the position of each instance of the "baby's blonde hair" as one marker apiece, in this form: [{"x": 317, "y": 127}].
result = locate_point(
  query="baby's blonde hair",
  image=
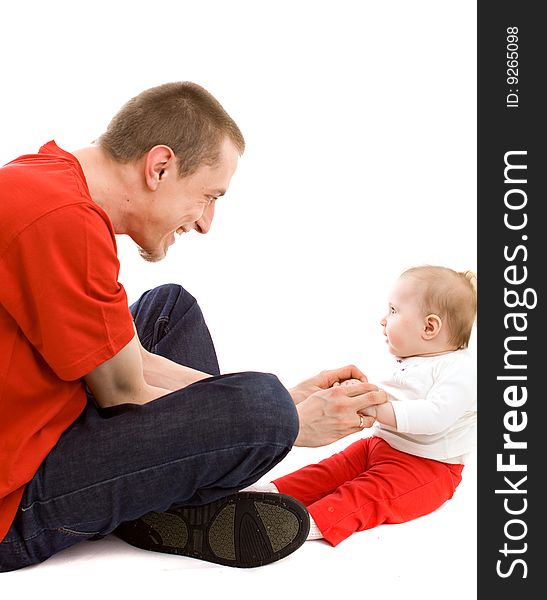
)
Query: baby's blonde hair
[{"x": 450, "y": 294}]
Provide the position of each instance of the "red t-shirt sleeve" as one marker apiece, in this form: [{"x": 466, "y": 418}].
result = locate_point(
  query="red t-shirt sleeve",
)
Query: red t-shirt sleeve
[{"x": 63, "y": 290}]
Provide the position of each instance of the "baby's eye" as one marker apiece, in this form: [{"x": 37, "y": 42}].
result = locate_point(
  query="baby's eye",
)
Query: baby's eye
[{"x": 392, "y": 310}]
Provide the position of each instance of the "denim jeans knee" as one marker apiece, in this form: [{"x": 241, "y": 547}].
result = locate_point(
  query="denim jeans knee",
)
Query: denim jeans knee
[
  {"x": 170, "y": 322},
  {"x": 268, "y": 409}
]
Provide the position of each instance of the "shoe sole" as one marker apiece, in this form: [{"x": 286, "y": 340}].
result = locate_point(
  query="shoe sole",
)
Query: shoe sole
[{"x": 247, "y": 529}]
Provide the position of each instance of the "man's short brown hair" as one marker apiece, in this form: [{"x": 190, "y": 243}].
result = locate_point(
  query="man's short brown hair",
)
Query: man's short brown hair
[{"x": 181, "y": 115}]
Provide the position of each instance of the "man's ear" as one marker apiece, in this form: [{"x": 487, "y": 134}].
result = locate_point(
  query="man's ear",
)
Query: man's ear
[
  {"x": 159, "y": 162},
  {"x": 432, "y": 327}
]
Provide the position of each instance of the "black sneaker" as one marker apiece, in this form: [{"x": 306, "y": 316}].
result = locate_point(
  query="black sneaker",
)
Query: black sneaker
[{"x": 247, "y": 529}]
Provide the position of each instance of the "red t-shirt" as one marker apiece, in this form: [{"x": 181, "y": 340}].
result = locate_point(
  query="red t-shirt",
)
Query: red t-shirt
[{"x": 62, "y": 310}]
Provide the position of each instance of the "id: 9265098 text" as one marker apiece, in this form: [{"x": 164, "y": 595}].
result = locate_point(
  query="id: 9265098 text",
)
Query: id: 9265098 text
[{"x": 512, "y": 72}]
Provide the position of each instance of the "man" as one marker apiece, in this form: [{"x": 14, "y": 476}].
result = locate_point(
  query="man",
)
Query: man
[{"x": 116, "y": 418}]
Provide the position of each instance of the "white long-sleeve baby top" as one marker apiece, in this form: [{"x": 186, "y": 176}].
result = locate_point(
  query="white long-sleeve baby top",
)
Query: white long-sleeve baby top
[{"x": 435, "y": 403}]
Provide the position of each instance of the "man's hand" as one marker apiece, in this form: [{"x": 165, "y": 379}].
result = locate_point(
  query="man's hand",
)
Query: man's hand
[
  {"x": 330, "y": 414},
  {"x": 325, "y": 380}
]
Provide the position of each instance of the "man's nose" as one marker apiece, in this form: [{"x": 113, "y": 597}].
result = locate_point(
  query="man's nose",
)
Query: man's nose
[{"x": 203, "y": 224}]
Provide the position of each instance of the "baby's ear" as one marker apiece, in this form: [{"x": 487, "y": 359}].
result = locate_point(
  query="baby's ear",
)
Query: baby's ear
[{"x": 432, "y": 326}]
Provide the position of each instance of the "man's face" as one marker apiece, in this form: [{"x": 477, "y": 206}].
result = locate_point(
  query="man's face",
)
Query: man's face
[{"x": 182, "y": 204}]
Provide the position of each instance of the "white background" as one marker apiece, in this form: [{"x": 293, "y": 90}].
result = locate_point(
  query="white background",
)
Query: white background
[{"x": 360, "y": 124}]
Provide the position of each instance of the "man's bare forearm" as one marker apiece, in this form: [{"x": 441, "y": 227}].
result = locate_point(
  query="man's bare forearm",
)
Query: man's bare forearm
[{"x": 164, "y": 373}]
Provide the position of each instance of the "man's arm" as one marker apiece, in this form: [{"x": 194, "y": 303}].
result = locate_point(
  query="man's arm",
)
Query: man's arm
[
  {"x": 162, "y": 372},
  {"x": 137, "y": 376},
  {"x": 120, "y": 380}
]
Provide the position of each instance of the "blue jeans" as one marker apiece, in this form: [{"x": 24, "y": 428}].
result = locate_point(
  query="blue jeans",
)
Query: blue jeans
[{"x": 190, "y": 447}]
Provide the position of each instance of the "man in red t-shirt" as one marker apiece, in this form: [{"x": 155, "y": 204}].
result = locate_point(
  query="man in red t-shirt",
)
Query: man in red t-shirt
[{"x": 116, "y": 418}]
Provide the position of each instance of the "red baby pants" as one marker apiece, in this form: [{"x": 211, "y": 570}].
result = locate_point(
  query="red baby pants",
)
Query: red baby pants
[{"x": 367, "y": 484}]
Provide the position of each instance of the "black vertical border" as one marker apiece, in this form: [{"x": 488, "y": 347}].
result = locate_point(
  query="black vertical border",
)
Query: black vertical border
[{"x": 511, "y": 518}]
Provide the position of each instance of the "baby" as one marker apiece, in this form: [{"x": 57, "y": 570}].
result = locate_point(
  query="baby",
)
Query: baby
[{"x": 423, "y": 433}]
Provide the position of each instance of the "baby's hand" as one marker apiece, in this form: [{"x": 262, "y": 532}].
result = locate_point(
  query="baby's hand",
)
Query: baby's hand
[
  {"x": 351, "y": 382},
  {"x": 347, "y": 382}
]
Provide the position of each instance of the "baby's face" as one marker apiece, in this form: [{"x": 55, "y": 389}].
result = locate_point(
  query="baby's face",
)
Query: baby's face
[{"x": 404, "y": 323}]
